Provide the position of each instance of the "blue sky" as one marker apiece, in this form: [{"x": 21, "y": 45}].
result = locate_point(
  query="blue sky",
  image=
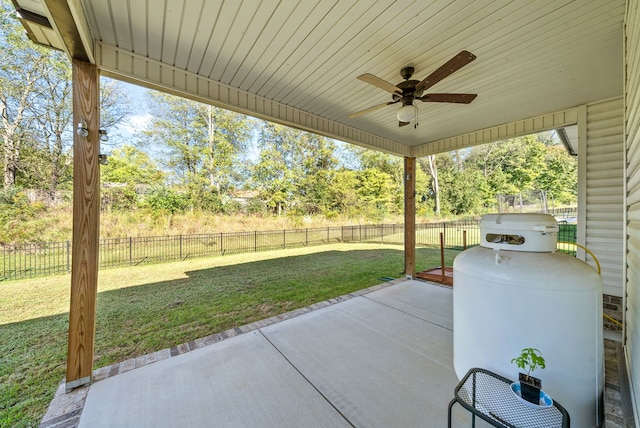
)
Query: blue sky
[
  {"x": 139, "y": 118},
  {"x": 124, "y": 133}
]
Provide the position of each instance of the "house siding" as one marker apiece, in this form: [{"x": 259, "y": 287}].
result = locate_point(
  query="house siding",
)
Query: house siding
[
  {"x": 632, "y": 171},
  {"x": 603, "y": 194}
]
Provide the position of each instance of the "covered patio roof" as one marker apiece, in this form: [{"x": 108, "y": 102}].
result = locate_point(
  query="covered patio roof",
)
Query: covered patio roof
[{"x": 297, "y": 63}]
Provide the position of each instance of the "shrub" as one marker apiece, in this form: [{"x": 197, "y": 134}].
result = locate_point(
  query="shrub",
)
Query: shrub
[
  {"x": 166, "y": 200},
  {"x": 208, "y": 201},
  {"x": 330, "y": 214},
  {"x": 119, "y": 198},
  {"x": 15, "y": 215},
  {"x": 256, "y": 206}
]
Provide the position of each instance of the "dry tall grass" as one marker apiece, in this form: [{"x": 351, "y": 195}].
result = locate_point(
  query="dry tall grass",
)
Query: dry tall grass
[
  {"x": 56, "y": 224},
  {"x": 139, "y": 223}
]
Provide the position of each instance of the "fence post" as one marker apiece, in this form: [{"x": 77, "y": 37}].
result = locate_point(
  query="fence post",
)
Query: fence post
[
  {"x": 327, "y": 234},
  {"x": 68, "y": 257},
  {"x": 130, "y": 250},
  {"x": 306, "y": 237},
  {"x": 181, "y": 246},
  {"x": 255, "y": 241},
  {"x": 444, "y": 231},
  {"x": 284, "y": 238}
]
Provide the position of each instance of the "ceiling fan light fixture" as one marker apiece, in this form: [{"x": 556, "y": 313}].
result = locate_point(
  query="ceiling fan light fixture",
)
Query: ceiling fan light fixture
[{"x": 407, "y": 113}]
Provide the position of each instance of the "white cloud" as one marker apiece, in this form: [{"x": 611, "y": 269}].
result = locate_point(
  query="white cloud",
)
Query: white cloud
[{"x": 139, "y": 121}]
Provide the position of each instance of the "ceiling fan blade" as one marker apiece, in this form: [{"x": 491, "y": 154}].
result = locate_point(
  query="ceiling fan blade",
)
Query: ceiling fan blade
[
  {"x": 380, "y": 83},
  {"x": 370, "y": 109},
  {"x": 454, "y": 64},
  {"x": 402, "y": 124},
  {"x": 448, "y": 98}
]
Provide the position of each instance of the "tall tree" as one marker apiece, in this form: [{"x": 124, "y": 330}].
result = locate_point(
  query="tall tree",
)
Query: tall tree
[
  {"x": 510, "y": 167},
  {"x": 388, "y": 172},
  {"x": 130, "y": 165},
  {"x": 372, "y": 159},
  {"x": 343, "y": 197},
  {"x": 462, "y": 190},
  {"x": 22, "y": 66},
  {"x": 53, "y": 112},
  {"x": 36, "y": 107},
  {"x": 318, "y": 173},
  {"x": 179, "y": 133},
  {"x": 376, "y": 191},
  {"x": 48, "y": 163},
  {"x": 430, "y": 165},
  {"x": 295, "y": 169},
  {"x": 200, "y": 144},
  {"x": 559, "y": 176},
  {"x": 130, "y": 168},
  {"x": 227, "y": 139},
  {"x": 274, "y": 180},
  {"x": 524, "y": 167}
]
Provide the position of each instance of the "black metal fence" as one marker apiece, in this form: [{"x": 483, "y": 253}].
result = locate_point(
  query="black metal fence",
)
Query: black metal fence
[
  {"x": 456, "y": 235},
  {"x": 40, "y": 259}
]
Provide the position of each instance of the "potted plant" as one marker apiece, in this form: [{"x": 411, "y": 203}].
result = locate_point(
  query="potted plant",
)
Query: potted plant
[{"x": 529, "y": 360}]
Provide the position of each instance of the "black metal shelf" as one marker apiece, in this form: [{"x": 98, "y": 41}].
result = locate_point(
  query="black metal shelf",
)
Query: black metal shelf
[{"x": 488, "y": 395}]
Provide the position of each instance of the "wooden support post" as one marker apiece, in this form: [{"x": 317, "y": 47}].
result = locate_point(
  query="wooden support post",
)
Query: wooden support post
[
  {"x": 410, "y": 217},
  {"x": 86, "y": 216}
]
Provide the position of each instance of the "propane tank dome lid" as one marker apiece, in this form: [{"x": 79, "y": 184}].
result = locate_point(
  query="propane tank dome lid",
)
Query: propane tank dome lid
[
  {"x": 517, "y": 221},
  {"x": 519, "y": 232}
]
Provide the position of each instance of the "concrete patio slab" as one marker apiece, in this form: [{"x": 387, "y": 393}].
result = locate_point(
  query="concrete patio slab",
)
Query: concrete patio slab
[
  {"x": 240, "y": 382},
  {"x": 378, "y": 366},
  {"x": 427, "y": 301},
  {"x": 381, "y": 359}
]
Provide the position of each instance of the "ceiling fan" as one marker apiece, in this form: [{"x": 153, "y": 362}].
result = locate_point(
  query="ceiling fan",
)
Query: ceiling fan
[{"x": 409, "y": 90}]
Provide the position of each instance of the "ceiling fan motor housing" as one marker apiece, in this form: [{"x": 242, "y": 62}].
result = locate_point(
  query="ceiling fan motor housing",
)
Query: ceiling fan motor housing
[
  {"x": 409, "y": 92},
  {"x": 406, "y": 73}
]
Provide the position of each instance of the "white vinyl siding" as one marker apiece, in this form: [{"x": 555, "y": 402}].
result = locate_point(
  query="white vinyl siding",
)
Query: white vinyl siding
[
  {"x": 603, "y": 191},
  {"x": 632, "y": 142}
]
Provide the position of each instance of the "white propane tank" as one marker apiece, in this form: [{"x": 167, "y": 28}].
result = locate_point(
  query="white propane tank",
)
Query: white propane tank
[{"x": 515, "y": 291}]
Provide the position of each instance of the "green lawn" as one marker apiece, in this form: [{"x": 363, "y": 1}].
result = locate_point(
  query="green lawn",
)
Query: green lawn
[{"x": 148, "y": 308}]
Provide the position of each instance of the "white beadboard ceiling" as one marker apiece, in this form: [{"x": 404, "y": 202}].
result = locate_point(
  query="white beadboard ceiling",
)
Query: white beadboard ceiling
[{"x": 297, "y": 61}]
